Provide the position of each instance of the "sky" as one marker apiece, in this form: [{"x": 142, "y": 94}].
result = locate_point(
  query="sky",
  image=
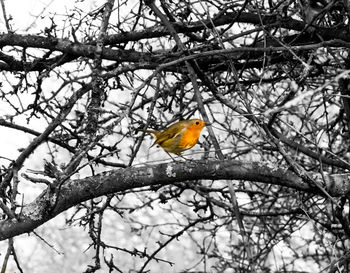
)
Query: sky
[{"x": 27, "y": 16}]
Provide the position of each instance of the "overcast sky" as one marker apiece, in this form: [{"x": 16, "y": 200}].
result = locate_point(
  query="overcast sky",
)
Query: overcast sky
[{"x": 26, "y": 16}]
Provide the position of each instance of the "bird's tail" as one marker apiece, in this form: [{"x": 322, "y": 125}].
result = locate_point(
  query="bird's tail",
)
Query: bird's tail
[{"x": 155, "y": 133}]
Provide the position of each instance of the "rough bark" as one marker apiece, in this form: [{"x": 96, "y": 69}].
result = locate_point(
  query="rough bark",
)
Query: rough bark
[{"x": 72, "y": 192}]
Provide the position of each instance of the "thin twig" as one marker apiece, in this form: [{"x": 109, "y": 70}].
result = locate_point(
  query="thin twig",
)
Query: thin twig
[
  {"x": 47, "y": 243},
  {"x": 175, "y": 236},
  {"x": 7, "y": 256},
  {"x": 16, "y": 260},
  {"x": 8, "y": 27},
  {"x": 36, "y": 179}
]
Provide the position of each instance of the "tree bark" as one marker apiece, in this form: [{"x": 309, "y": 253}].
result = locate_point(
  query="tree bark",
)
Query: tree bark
[{"x": 52, "y": 202}]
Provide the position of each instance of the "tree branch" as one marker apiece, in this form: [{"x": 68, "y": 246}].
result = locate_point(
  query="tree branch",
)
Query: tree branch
[{"x": 72, "y": 192}]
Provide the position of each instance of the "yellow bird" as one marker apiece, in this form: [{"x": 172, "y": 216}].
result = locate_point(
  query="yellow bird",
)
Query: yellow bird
[{"x": 178, "y": 137}]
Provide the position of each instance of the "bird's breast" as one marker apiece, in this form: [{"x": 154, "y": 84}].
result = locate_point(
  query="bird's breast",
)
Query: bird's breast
[{"x": 189, "y": 139}]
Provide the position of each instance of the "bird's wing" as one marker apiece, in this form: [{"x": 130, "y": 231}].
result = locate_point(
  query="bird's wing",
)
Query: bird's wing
[{"x": 170, "y": 133}]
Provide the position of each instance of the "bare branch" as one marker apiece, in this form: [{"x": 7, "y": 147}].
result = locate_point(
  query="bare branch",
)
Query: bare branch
[{"x": 75, "y": 191}]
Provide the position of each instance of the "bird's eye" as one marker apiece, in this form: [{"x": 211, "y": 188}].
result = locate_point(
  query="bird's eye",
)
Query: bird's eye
[{"x": 197, "y": 122}]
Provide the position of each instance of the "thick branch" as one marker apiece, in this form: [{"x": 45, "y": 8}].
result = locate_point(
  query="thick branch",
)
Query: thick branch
[
  {"x": 73, "y": 192},
  {"x": 66, "y": 46},
  {"x": 9, "y": 63},
  {"x": 75, "y": 49},
  {"x": 228, "y": 18}
]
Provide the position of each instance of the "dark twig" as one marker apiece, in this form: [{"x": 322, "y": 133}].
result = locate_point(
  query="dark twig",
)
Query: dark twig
[
  {"x": 7, "y": 255},
  {"x": 6, "y": 19},
  {"x": 175, "y": 236}
]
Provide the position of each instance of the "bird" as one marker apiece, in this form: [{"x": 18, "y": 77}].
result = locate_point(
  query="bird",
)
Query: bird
[{"x": 178, "y": 137}]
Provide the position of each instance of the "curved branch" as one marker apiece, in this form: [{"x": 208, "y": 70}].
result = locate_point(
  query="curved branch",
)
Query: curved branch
[{"x": 72, "y": 192}]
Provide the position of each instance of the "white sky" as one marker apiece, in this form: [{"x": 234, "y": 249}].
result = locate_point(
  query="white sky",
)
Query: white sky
[{"x": 26, "y": 15}]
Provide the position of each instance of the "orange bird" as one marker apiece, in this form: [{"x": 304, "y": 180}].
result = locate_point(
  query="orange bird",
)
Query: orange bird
[{"x": 178, "y": 137}]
